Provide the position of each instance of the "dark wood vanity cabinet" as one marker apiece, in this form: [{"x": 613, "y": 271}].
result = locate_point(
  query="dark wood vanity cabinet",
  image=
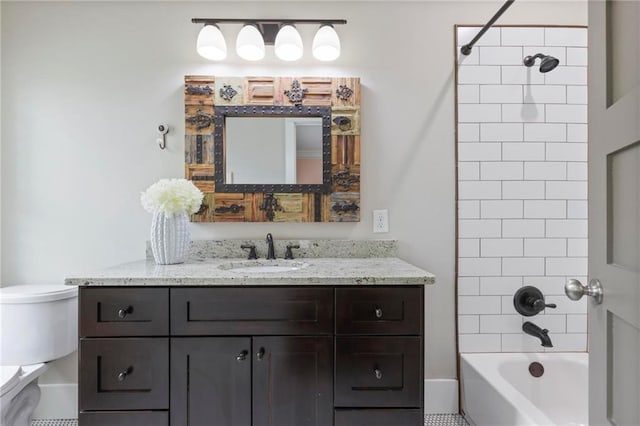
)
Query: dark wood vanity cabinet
[
  {"x": 238, "y": 381},
  {"x": 251, "y": 356}
]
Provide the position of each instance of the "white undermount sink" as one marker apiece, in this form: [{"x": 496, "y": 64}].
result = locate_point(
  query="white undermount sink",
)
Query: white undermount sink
[{"x": 260, "y": 266}]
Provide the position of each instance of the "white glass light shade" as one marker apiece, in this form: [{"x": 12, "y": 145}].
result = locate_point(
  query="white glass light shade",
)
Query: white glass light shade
[
  {"x": 211, "y": 44},
  {"x": 250, "y": 44},
  {"x": 326, "y": 44},
  {"x": 288, "y": 44}
]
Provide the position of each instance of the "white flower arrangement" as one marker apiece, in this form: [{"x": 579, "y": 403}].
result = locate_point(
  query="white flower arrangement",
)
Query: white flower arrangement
[{"x": 172, "y": 197}]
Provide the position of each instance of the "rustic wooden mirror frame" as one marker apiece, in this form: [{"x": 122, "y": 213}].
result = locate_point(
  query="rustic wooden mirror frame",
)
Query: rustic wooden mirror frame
[{"x": 208, "y": 99}]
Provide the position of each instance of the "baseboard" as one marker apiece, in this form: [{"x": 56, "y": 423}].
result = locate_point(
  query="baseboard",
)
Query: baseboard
[
  {"x": 57, "y": 401},
  {"x": 441, "y": 396},
  {"x": 60, "y": 401}
]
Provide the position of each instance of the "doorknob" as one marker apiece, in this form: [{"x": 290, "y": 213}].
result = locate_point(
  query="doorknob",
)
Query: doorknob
[{"x": 575, "y": 290}]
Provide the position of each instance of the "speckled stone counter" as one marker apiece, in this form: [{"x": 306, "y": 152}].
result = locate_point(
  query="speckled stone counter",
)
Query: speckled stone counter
[
  {"x": 220, "y": 272},
  {"x": 224, "y": 263}
]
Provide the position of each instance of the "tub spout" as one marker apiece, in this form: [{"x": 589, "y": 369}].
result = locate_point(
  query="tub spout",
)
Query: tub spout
[{"x": 535, "y": 331}]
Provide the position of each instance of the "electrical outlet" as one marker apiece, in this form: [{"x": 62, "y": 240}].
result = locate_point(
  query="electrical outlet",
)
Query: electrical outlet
[{"x": 380, "y": 221}]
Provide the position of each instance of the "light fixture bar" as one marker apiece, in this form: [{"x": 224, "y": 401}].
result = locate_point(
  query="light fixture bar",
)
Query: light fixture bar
[
  {"x": 267, "y": 21},
  {"x": 268, "y": 27}
]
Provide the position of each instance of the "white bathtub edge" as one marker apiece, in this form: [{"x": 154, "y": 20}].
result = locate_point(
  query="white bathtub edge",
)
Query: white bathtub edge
[
  {"x": 441, "y": 396},
  {"x": 475, "y": 366}
]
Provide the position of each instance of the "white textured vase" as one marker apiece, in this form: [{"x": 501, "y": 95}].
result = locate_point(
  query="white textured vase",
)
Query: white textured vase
[{"x": 170, "y": 237}]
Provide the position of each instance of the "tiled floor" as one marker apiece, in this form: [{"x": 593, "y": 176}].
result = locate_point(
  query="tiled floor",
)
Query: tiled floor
[
  {"x": 429, "y": 420},
  {"x": 444, "y": 420}
]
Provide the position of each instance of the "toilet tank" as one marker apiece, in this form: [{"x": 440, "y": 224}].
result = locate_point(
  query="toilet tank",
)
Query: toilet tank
[{"x": 38, "y": 323}]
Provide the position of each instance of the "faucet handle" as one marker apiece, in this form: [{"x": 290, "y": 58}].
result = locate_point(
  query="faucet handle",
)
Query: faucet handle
[
  {"x": 541, "y": 306},
  {"x": 289, "y": 254},
  {"x": 529, "y": 301},
  {"x": 252, "y": 250}
]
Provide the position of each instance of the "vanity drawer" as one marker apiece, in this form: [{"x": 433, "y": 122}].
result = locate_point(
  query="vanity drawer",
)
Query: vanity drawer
[
  {"x": 251, "y": 311},
  {"x": 124, "y": 374},
  {"x": 124, "y": 418},
  {"x": 383, "y": 417},
  {"x": 378, "y": 372},
  {"x": 124, "y": 311},
  {"x": 388, "y": 310}
]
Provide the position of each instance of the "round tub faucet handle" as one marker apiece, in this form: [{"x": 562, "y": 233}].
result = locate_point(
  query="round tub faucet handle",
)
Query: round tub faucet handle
[{"x": 529, "y": 301}]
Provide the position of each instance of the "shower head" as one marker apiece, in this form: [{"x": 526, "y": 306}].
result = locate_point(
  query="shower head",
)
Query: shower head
[{"x": 547, "y": 62}]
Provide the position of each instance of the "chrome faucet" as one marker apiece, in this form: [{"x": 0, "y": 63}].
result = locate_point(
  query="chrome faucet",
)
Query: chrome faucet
[
  {"x": 270, "y": 252},
  {"x": 535, "y": 331}
]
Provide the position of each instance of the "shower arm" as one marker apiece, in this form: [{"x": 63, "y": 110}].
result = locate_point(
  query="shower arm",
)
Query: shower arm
[{"x": 466, "y": 49}]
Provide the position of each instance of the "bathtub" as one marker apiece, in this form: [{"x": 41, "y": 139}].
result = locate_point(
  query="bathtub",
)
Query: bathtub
[{"x": 497, "y": 389}]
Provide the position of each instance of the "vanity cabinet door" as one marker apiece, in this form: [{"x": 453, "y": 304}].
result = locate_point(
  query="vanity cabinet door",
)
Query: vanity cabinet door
[
  {"x": 293, "y": 381},
  {"x": 375, "y": 310},
  {"x": 211, "y": 381},
  {"x": 124, "y": 418},
  {"x": 251, "y": 311},
  {"x": 124, "y": 311},
  {"x": 379, "y": 417},
  {"x": 124, "y": 374},
  {"x": 378, "y": 372}
]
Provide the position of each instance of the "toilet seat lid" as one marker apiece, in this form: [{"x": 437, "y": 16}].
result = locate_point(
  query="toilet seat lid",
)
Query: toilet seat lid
[
  {"x": 9, "y": 377},
  {"x": 36, "y": 293}
]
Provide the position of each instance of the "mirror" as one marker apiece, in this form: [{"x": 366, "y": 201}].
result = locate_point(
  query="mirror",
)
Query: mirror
[{"x": 272, "y": 149}]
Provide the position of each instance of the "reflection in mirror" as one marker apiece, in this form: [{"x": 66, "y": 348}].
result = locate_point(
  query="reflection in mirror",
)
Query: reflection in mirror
[{"x": 273, "y": 150}]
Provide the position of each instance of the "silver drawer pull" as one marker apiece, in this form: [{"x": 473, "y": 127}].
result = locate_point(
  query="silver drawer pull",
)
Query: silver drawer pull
[
  {"x": 242, "y": 356},
  {"x": 378, "y": 312},
  {"x": 260, "y": 354},
  {"x": 124, "y": 312},
  {"x": 378, "y": 373},
  {"x": 125, "y": 373}
]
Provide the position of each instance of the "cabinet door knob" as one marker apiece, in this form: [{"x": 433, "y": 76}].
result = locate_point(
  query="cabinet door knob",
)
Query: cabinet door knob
[
  {"x": 124, "y": 312},
  {"x": 378, "y": 373},
  {"x": 123, "y": 375},
  {"x": 242, "y": 356},
  {"x": 378, "y": 312},
  {"x": 260, "y": 354}
]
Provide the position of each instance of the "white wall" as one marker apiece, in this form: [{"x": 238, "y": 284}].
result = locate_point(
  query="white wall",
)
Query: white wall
[
  {"x": 522, "y": 187},
  {"x": 0, "y": 139},
  {"x": 85, "y": 85}
]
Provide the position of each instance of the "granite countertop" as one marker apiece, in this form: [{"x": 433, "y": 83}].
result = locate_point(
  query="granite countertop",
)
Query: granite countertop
[{"x": 217, "y": 272}]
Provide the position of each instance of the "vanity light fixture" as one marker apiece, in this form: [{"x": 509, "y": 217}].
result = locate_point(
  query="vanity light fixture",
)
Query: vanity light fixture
[
  {"x": 326, "y": 44},
  {"x": 281, "y": 33},
  {"x": 288, "y": 44},
  {"x": 211, "y": 44},
  {"x": 250, "y": 44}
]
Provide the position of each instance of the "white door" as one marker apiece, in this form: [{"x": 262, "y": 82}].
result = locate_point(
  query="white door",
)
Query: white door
[{"x": 614, "y": 211}]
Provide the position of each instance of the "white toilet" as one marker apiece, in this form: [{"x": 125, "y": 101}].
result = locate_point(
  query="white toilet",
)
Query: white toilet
[{"x": 38, "y": 323}]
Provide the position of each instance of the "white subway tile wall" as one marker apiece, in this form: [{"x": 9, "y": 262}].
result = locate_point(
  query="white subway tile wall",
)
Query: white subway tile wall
[{"x": 522, "y": 186}]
